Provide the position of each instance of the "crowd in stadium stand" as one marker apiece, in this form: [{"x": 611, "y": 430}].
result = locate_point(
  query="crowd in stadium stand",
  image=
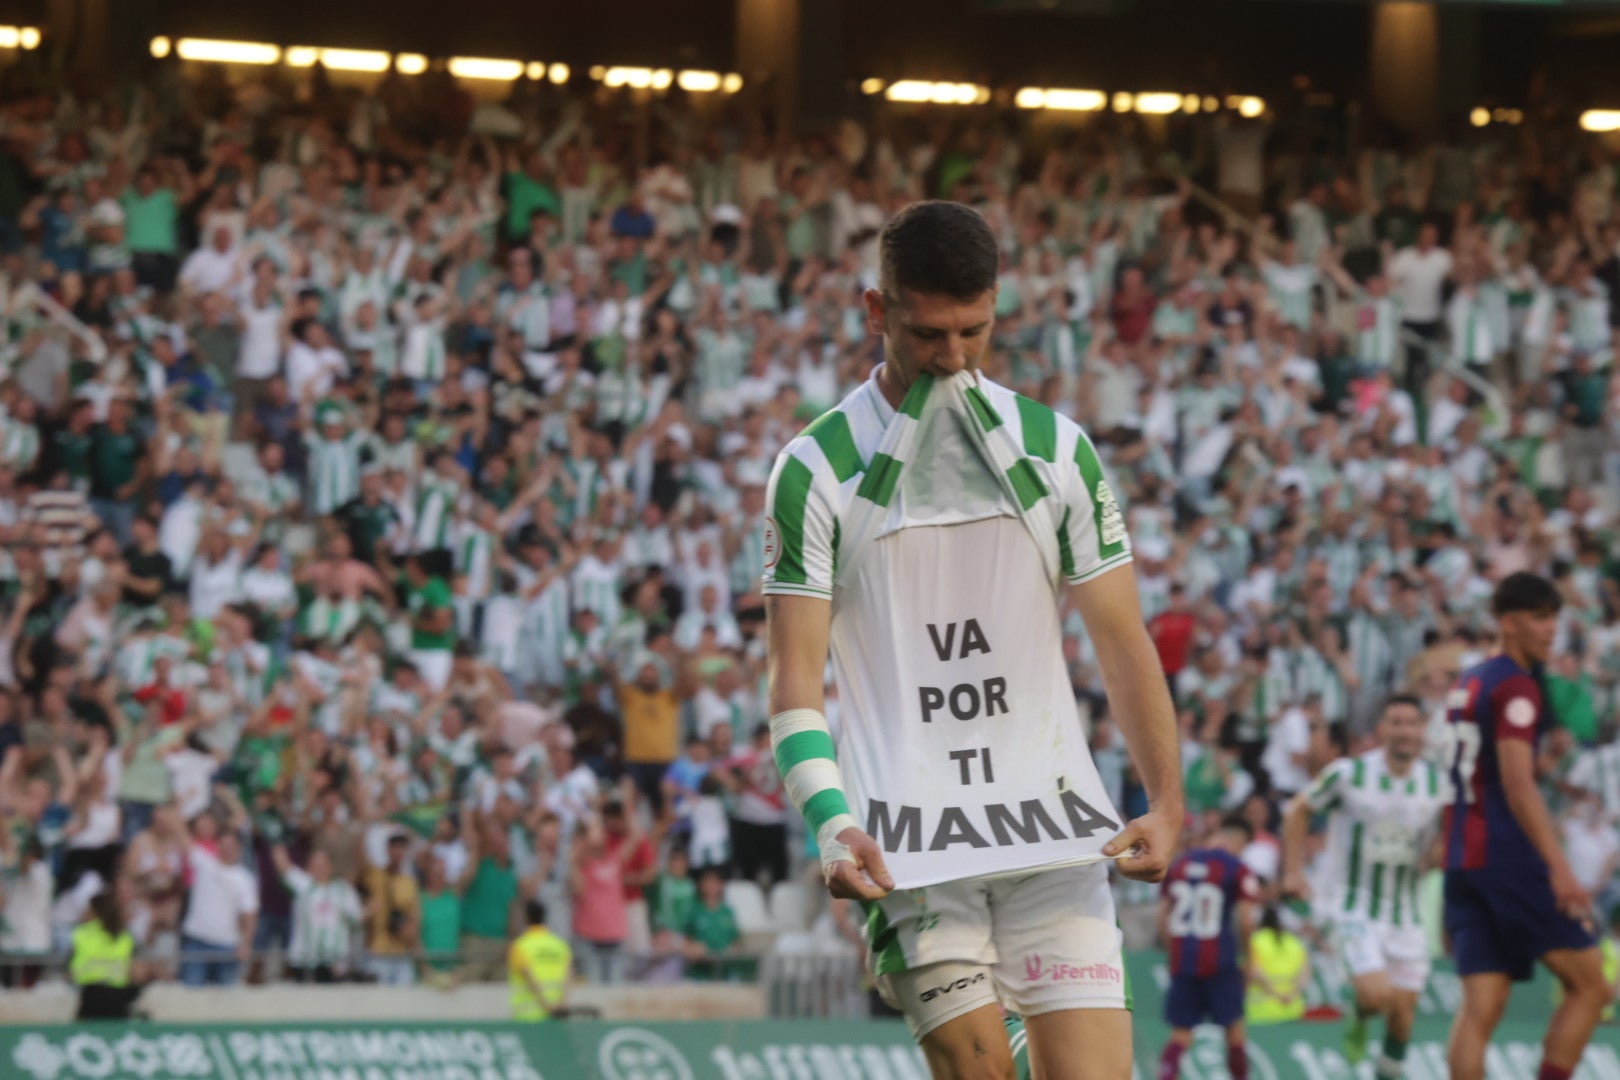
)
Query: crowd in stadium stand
[{"x": 382, "y": 478}]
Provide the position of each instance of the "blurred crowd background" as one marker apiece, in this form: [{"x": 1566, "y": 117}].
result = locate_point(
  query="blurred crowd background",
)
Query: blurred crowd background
[{"x": 382, "y": 478}]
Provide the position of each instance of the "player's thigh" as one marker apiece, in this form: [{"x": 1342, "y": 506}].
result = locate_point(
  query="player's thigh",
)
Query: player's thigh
[
  {"x": 1406, "y": 960},
  {"x": 1484, "y": 999},
  {"x": 930, "y": 952},
  {"x": 1080, "y": 1044},
  {"x": 972, "y": 1045},
  {"x": 1057, "y": 943},
  {"x": 1579, "y": 970}
]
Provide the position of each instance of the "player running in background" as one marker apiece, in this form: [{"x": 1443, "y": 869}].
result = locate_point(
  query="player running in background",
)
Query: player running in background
[
  {"x": 1206, "y": 911},
  {"x": 1510, "y": 898},
  {"x": 928, "y": 532},
  {"x": 1382, "y": 811}
]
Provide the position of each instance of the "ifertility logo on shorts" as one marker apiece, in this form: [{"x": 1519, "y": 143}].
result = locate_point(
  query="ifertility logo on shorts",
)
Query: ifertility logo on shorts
[{"x": 1037, "y": 970}]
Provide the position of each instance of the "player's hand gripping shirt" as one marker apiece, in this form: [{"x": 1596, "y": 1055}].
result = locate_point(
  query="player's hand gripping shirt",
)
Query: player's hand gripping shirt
[
  {"x": 1378, "y": 830},
  {"x": 942, "y": 534}
]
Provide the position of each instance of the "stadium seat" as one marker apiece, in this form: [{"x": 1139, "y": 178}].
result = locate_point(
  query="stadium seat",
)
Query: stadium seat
[
  {"x": 790, "y": 906},
  {"x": 747, "y": 902}
]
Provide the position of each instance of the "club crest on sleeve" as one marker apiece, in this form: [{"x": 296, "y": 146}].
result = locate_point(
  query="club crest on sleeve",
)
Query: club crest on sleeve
[
  {"x": 1520, "y": 712},
  {"x": 773, "y": 543}
]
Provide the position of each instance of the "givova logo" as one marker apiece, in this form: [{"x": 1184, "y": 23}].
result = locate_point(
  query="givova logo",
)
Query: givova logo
[{"x": 638, "y": 1054}]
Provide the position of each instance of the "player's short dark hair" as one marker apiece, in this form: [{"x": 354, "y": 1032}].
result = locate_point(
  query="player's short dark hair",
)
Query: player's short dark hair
[
  {"x": 939, "y": 248},
  {"x": 1237, "y": 823},
  {"x": 1401, "y": 699},
  {"x": 1525, "y": 591},
  {"x": 535, "y": 913}
]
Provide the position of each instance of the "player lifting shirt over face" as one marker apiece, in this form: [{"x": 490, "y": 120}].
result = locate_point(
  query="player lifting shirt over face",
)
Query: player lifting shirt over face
[{"x": 925, "y": 532}]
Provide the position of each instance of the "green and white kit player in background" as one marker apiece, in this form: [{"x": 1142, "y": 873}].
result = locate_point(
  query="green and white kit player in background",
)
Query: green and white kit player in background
[
  {"x": 1382, "y": 810},
  {"x": 927, "y": 531}
]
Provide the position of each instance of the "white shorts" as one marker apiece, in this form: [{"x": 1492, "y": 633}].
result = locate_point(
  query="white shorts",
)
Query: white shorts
[
  {"x": 1037, "y": 943},
  {"x": 1400, "y": 952}
]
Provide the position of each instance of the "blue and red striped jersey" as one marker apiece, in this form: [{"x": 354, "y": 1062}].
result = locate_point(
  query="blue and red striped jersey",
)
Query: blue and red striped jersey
[
  {"x": 1493, "y": 701},
  {"x": 1204, "y": 888}
]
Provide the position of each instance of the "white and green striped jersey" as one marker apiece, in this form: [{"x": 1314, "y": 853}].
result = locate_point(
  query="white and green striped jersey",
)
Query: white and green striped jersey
[
  {"x": 1589, "y": 316},
  {"x": 435, "y": 510},
  {"x": 1469, "y": 322},
  {"x": 1369, "y": 648},
  {"x": 1378, "y": 331},
  {"x": 749, "y": 561},
  {"x": 473, "y": 553},
  {"x": 334, "y": 470},
  {"x": 942, "y": 533},
  {"x": 424, "y": 355},
  {"x": 819, "y": 475},
  {"x": 1315, "y": 674},
  {"x": 595, "y": 586},
  {"x": 1379, "y": 828},
  {"x": 325, "y": 917},
  {"x": 19, "y": 445}
]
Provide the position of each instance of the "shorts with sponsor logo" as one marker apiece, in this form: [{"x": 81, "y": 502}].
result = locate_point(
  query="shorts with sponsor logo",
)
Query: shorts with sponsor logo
[
  {"x": 1037, "y": 942},
  {"x": 1367, "y": 946}
]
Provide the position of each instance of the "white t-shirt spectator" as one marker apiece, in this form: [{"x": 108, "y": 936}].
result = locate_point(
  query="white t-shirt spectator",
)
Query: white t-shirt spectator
[
  {"x": 213, "y": 585},
  {"x": 1290, "y": 738},
  {"x": 189, "y": 774},
  {"x": 25, "y": 919},
  {"x": 1590, "y": 846},
  {"x": 208, "y": 270},
  {"x": 1418, "y": 278},
  {"x": 220, "y": 896},
  {"x": 317, "y": 368}
]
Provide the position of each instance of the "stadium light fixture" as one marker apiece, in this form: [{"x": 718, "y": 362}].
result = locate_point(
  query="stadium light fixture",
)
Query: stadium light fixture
[
  {"x": 871, "y": 86},
  {"x": 1157, "y": 103},
  {"x": 558, "y": 73},
  {"x": 1030, "y": 97},
  {"x": 534, "y": 69},
  {"x": 731, "y": 83},
  {"x": 1480, "y": 116},
  {"x": 662, "y": 78},
  {"x": 909, "y": 90},
  {"x": 409, "y": 63},
  {"x": 161, "y": 47},
  {"x": 1123, "y": 101},
  {"x": 1250, "y": 107},
  {"x": 477, "y": 67},
  {"x": 1190, "y": 104},
  {"x": 28, "y": 37},
  {"x": 204, "y": 50},
  {"x": 1211, "y": 103},
  {"x": 1033, "y": 97},
  {"x": 1600, "y": 120},
  {"x": 337, "y": 59},
  {"x": 698, "y": 82},
  {"x": 1515, "y": 116}
]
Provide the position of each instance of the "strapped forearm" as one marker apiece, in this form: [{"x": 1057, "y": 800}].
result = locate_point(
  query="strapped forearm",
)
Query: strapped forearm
[{"x": 808, "y": 762}]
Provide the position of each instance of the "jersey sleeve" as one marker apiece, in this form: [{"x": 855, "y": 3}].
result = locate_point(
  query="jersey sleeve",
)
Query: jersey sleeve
[
  {"x": 1247, "y": 888},
  {"x": 1323, "y": 794},
  {"x": 800, "y": 531},
  {"x": 1516, "y": 705},
  {"x": 1092, "y": 538}
]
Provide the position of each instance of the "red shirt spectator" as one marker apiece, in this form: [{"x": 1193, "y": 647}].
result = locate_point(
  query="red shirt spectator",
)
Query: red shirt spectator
[
  {"x": 1133, "y": 308},
  {"x": 1172, "y": 632}
]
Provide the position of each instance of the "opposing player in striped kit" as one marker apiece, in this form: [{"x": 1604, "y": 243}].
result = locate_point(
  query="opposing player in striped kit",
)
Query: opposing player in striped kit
[
  {"x": 926, "y": 531},
  {"x": 1383, "y": 812}
]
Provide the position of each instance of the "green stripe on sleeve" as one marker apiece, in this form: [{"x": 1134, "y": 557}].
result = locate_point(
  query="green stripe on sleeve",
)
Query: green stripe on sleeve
[
  {"x": 1027, "y": 483},
  {"x": 803, "y": 746},
  {"x": 880, "y": 480},
  {"x": 987, "y": 416},
  {"x": 787, "y": 510},
  {"x": 1085, "y": 456},
  {"x": 1040, "y": 429},
  {"x": 832, "y": 434},
  {"x": 823, "y": 806}
]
